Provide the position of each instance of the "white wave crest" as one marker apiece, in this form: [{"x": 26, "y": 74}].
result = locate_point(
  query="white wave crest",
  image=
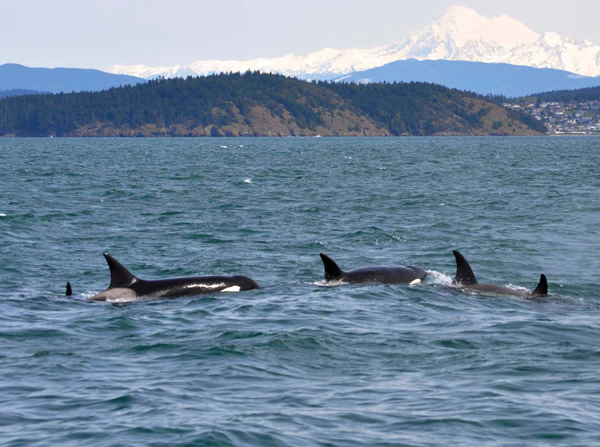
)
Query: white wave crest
[
  {"x": 88, "y": 295},
  {"x": 434, "y": 277},
  {"x": 324, "y": 283},
  {"x": 518, "y": 288}
]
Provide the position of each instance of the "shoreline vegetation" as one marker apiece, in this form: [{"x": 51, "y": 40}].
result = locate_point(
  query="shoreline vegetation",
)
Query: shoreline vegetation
[{"x": 255, "y": 104}]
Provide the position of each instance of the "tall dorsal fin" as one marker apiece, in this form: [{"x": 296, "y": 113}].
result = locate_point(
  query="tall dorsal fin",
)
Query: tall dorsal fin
[
  {"x": 332, "y": 270},
  {"x": 464, "y": 274},
  {"x": 542, "y": 287},
  {"x": 69, "y": 291},
  {"x": 119, "y": 275}
]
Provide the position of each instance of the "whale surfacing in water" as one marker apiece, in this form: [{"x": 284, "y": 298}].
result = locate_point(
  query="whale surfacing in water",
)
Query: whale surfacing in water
[
  {"x": 373, "y": 275},
  {"x": 465, "y": 280},
  {"x": 124, "y": 285}
]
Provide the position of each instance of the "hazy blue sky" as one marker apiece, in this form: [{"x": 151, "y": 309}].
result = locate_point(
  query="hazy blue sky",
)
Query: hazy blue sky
[{"x": 100, "y": 33}]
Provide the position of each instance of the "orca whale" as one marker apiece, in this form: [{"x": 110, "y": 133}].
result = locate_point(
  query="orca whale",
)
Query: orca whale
[
  {"x": 124, "y": 285},
  {"x": 373, "y": 275},
  {"x": 465, "y": 280}
]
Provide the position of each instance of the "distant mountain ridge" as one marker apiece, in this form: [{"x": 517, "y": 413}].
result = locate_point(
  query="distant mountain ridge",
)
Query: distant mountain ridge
[
  {"x": 56, "y": 80},
  {"x": 495, "y": 79},
  {"x": 18, "y": 92},
  {"x": 460, "y": 35}
]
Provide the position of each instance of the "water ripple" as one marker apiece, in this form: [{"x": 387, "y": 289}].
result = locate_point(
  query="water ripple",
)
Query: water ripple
[{"x": 297, "y": 363}]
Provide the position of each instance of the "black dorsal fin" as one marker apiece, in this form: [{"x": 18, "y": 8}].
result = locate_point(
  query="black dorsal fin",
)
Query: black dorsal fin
[
  {"x": 332, "y": 270},
  {"x": 119, "y": 275},
  {"x": 69, "y": 290},
  {"x": 464, "y": 274},
  {"x": 542, "y": 287}
]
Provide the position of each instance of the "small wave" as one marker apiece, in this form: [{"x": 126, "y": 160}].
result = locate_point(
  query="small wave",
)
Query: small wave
[
  {"x": 131, "y": 299},
  {"x": 87, "y": 295},
  {"x": 223, "y": 147},
  {"x": 434, "y": 277},
  {"x": 324, "y": 283},
  {"x": 2, "y": 215},
  {"x": 518, "y": 288},
  {"x": 248, "y": 180}
]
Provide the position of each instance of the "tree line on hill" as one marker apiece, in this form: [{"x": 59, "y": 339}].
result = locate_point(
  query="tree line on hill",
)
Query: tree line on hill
[
  {"x": 410, "y": 108},
  {"x": 17, "y": 92},
  {"x": 218, "y": 101},
  {"x": 579, "y": 95}
]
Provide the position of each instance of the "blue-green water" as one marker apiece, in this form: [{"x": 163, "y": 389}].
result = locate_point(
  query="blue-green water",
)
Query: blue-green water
[{"x": 297, "y": 363}]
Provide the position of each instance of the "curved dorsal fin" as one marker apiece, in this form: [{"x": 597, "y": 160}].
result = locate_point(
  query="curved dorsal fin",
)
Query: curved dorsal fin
[
  {"x": 119, "y": 275},
  {"x": 542, "y": 287},
  {"x": 464, "y": 274},
  {"x": 332, "y": 270}
]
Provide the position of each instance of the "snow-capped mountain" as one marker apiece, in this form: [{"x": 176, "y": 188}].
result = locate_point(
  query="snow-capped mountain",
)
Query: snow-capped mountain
[{"x": 459, "y": 35}]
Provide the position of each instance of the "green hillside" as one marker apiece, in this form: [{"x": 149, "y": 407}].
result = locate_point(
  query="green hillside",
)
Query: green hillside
[
  {"x": 579, "y": 95},
  {"x": 259, "y": 105}
]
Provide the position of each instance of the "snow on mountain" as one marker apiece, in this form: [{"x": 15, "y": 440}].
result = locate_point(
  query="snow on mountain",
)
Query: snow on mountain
[
  {"x": 459, "y": 35},
  {"x": 325, "y": 62},
  {"x": 554, "y": 51},
  {"x": 463, "y": 34}
]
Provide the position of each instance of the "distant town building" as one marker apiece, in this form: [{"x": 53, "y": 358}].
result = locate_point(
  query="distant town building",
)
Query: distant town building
[{"x": 581, "y": 118}]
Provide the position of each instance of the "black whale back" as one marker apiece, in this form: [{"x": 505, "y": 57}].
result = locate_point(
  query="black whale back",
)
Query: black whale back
[
  {"x": 191, "y": 285},
  {"x": 465, "y": 279},
  {"x": 372, "y": 275},
  {"x": 120, "y": 277}
]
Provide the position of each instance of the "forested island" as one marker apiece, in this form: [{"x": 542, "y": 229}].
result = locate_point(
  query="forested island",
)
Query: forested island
[{"x": 255, "y": 104}]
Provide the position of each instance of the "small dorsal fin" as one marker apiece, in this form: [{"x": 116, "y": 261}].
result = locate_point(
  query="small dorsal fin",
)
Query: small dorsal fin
[
  {"x": 542, "y": 287},
  {"x": 332, "y": 270},
  {"x": 119, "y": 275},
  {"x": 69, "y": 290},
  {"x": 464, "y": 274}
]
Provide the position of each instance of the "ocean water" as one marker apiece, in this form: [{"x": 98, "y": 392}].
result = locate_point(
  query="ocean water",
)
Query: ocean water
[{"x": 300, "y": 363}]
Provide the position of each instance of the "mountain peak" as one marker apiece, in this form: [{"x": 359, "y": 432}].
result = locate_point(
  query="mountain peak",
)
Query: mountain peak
[
  {"x": 553, "y": 39},
  {"x": 461, "y": 34},
  {"x": 457, "y": 11},
  {"x": 467, "y": 25}
]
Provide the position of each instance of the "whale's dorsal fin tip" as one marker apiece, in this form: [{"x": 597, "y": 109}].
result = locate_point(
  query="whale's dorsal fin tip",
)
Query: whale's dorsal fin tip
[
  {"x": 464, "y": 273},
  {"x": 332, "y": 270},
  {"x": 542, "y": 287},
  {"x": 119, "y": 275},
  {"x": 69, "y": 291}
]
